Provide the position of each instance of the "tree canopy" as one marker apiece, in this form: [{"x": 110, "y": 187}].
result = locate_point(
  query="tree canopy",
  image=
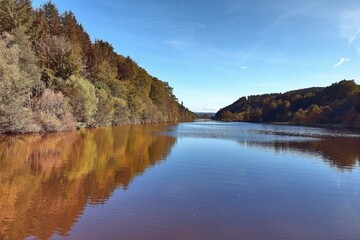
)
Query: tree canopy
[
  {"x": 335, "y": 104},
  {"x": 54, "y": 78}
]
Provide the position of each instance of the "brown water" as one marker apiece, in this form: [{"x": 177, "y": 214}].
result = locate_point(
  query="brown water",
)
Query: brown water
[{"x": 201, "y": 180}]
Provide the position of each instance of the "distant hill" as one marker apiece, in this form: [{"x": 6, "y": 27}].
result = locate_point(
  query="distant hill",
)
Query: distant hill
[
  {"x": 335, "y": 104},
  {"x": 205, "y": 115}
]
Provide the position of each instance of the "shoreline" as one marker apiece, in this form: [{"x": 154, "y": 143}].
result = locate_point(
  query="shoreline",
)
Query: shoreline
[
  {"x": 327, "y": 125},
  {"x": 9, "y": 134}
]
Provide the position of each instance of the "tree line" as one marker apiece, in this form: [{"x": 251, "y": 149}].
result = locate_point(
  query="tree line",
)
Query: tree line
[
  {"x": 335, "y": 104},
  {"x": 54, "y": 78}
]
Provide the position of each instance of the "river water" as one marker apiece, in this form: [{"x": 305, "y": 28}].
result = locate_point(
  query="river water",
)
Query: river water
[{"x": 200, "y": 180}]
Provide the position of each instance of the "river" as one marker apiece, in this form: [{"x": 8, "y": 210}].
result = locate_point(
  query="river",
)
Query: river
[{"x": 200, "y": 180}]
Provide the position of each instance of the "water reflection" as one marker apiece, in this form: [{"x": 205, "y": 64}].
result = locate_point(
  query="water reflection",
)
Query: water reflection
[
  {"x": 343, "y": 153},
  {"x": 47, "y": 180},
  {"x": 340, "y": 148}
]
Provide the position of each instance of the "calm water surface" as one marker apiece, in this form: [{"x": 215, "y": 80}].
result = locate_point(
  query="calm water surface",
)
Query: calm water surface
[{"x": 202, "y": 180}]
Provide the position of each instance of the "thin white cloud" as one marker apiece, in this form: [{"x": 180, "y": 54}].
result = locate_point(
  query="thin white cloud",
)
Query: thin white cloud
[
  {"x": 352, "y": 39},
  {"x": 243, "y": 67},
  {"x": 177, "y": 44},
  {"x": 290, "y": 13},
  {"x": 350, "y": 25},
  {"x": 294, "y": 13},
  {"x": 341, "y": 62}
]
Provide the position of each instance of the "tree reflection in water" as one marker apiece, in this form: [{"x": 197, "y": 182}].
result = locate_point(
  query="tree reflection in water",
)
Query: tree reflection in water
[
  {"x": 340, "y": 152},
  {"x": 47, "y": 180}
]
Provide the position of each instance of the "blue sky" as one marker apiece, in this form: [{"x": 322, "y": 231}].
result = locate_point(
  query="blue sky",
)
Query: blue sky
[{"x": 212, "y": 52}]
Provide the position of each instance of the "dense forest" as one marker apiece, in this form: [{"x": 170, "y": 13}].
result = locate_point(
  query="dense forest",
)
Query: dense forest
[
  {"x": 54, "y": 78},
  {"x": 335, "y": 104}
]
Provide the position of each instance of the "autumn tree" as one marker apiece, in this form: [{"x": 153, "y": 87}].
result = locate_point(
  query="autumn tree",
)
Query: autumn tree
[
  {"x": 80, "y": 40},
  {"x": 299, "y": 116},
  {"x": 227, "y": 116},
  {"x": 15, "y": 13},
  {"x": 125, "y": 69},
  {"x": 19, "y": 78},
  {"x": 83, "y": 100},
  {"x": 52, "y": 75},
  {"x": 255, "y": 115},
  {"x": 313, "y": 114},
  {"x": 39, "y": 27},
  {"x": 52, "y": 112},
  {"x": 105, "y": 108},
  {"x": 56, "y": 53}
]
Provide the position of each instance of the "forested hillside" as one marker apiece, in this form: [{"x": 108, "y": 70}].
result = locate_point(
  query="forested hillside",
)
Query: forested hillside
[
  {"x": 54, "y": 78},
  {"x": 336, "y": 104}
]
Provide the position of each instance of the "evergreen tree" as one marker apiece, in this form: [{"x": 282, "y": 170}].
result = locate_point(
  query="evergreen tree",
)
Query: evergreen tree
[{"x": 52, "y": 18}]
